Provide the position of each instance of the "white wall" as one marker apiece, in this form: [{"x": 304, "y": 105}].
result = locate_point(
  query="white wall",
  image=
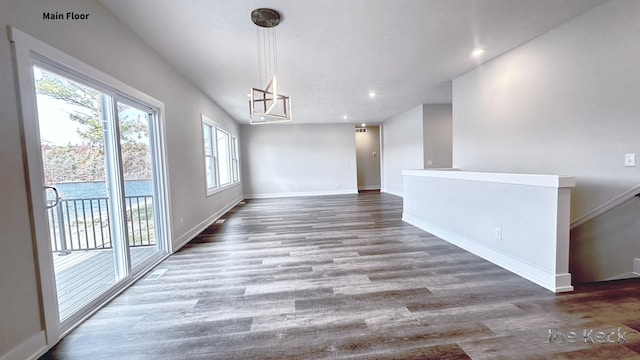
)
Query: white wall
[
  {"x": 368, "y": 164},
  {"x": 290, "y": 159},
  {"x": 605, "y": 248},
  {"x": 19, "y": 306},
  {"x": 402, "y": 148},
  {"x": 437, "y": 127},
  {"x": 531, "y": 214},
  {"x": 563, "y": 103},
  {"x": 106, "y": 44},
  {"x": 566, "y": 102}
]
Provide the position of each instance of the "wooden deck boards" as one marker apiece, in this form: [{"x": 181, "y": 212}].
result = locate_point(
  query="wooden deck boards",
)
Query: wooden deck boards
[
  {"x": 342, "y": 277},
  {"x": 82, "y": 275}
]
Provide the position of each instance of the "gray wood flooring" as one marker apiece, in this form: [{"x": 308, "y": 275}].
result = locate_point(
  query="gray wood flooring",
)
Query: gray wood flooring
[{"x": 342, "y": 277}]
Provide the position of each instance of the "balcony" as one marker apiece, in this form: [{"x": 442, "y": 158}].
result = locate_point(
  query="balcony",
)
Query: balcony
[{"x": 82, "y": 247}]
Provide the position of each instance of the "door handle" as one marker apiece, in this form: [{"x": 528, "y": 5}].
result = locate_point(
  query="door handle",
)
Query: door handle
[{"x": 57, "y": 201}]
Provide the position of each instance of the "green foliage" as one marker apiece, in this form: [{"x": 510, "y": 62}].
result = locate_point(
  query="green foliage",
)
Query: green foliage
[
  {"x": 86, "y": 102},
  {"x": 86, "y": 162}
]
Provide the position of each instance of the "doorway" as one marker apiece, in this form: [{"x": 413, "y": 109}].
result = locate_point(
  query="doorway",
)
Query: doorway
[{"x": 368, "y": 157}]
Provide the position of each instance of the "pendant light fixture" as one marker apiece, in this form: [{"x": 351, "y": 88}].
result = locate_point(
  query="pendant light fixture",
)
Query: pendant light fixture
[{"x": 266, "y": 104}]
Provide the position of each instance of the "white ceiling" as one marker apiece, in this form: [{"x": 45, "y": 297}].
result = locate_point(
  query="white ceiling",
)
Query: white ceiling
[{"x": 332, "y": 53}]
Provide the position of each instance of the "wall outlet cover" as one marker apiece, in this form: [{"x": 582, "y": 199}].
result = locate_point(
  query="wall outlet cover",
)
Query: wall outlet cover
[{"x": 630, "y": 160}]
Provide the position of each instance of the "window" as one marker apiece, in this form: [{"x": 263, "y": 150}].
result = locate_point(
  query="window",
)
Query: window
[
  {"x": 235, "y": 169},
  {"x": 209, "y": 156},
  {"x": 220, "y": 156},
  {"x": 224, "y": 156}
]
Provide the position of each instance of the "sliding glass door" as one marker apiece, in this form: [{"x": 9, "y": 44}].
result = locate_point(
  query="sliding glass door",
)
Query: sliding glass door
[{"x": 101, "y": 176}]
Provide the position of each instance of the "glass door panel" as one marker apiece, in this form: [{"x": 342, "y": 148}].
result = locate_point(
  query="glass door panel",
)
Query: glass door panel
[
  {"x": 71, "y": 127},
  {"x": 138, "y": 171}
]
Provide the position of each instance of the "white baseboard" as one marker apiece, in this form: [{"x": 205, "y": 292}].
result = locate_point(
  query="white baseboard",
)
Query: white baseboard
[
  {"x": 550, "y": 281},
  {"x": 392, "y": 192},
  {"x": 31, "y": 348},
  {"x": 563, "y": 283},
  {"x": 636, "y": 265},
  {"x": 299, "y": 194},
  {"x": 369, "y": 187},
  {"x": 196, "y": 230},
  {"x": 629, "y": 275}
]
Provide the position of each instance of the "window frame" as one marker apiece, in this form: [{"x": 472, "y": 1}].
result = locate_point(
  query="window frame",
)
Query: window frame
[
  {"x": 209, "y": 159},
  {"x": 213, "y": 158},
  {"x": 226, "y": 161},
  {"x": 235, "y": 160}
]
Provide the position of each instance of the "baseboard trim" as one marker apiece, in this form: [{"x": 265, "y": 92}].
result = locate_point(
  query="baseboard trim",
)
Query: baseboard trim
[
  {"x": 299, "y": 194},
  {"x": 629, "y": 275},
  {"x": 392, "y": 192},
  {"x": 554, "y": 282},
  {"x": 370, "y": 187},
  {"x": 32, "y": 348},
  {"x": 196, "y": 230}
]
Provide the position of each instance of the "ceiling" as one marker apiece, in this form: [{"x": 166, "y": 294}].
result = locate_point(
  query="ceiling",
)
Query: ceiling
[{"x": 332, "y": 53}]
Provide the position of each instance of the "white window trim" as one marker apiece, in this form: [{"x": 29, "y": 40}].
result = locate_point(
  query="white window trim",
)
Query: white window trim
[
  {"x": 207, "y": 122},
  {"x": 214, "y": 128},
  {"x": 235, "y": 160},
  {"x": 228, "y": 159}
]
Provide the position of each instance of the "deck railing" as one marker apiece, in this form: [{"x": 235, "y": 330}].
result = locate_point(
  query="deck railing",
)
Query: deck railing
[{"x": 84, "y": 224}]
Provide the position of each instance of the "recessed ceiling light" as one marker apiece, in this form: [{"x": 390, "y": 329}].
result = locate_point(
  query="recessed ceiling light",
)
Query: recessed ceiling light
[
  {"x": 372, "y": 94},
  {"x": 363, "y": 124},
  {"x": 345, "y": 117},
  {"x": 477, "y": 52}
]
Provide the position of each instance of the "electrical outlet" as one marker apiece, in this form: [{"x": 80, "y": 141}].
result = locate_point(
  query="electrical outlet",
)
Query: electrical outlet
[
  {"x": 629, "y": 160},
  {"x": 498, "y": 233}
]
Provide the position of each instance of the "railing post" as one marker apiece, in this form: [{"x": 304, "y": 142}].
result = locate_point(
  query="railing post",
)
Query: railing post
[{"x": 63, "y": 239}]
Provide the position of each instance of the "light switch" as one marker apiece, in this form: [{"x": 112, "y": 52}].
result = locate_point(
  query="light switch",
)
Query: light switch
[{"x": 629, "y": 160}]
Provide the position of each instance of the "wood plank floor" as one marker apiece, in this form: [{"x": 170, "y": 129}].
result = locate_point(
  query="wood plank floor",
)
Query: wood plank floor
[{"x": 342, "y": 277}]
